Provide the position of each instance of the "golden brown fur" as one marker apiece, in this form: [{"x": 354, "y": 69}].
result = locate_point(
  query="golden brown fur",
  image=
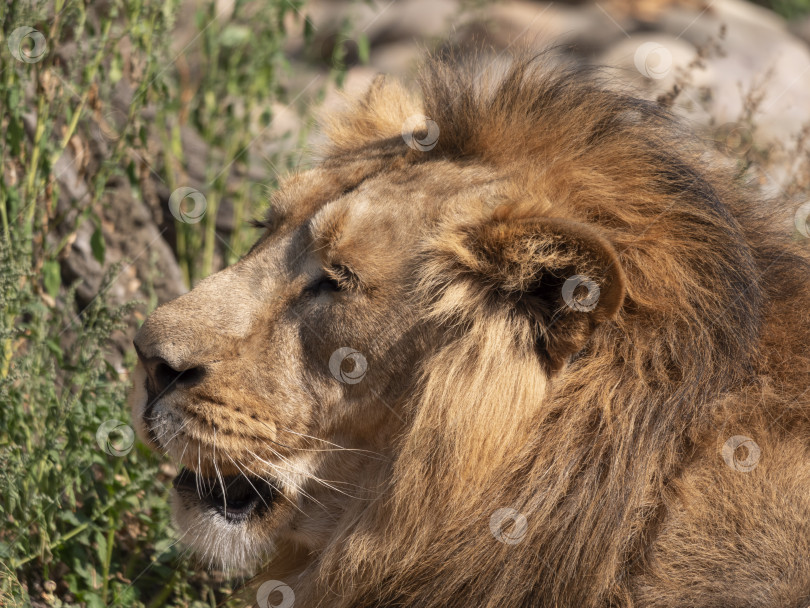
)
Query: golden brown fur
[{"x": 604, "y": 428}]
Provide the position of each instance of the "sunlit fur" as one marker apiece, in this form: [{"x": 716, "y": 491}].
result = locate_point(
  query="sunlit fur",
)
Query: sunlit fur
[{"x": 485, "y": 391}]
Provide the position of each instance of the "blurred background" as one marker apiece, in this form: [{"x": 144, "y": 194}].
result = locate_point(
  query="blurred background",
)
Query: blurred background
[{"x": 139, "y": 137}]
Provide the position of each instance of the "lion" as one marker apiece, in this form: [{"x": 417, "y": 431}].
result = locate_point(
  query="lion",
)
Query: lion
[{"x": 517, "y": 340}]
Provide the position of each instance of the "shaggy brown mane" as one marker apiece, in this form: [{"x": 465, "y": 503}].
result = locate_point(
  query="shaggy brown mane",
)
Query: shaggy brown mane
[{"x": 709, "y": 334}]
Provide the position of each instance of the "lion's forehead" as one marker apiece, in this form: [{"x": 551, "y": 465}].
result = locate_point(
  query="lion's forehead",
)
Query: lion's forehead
[{"x": 396, "y": 200}]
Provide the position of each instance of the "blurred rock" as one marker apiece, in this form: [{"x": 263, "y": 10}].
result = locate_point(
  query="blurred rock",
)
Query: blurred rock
[
  {"x": 649, "y": 62},
  {"x": 385, "y": 21},
  {"x": 130, "y": 235},
  {"x": 698, "y": 24},
  {"x": 583, "y": 29},
  {"x": 775, "y": 65},
  {"x": 399, "y": 57},
  {"x": 801, "y": 28}
]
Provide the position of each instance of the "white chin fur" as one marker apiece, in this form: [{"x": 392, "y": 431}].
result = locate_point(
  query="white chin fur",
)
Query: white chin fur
[{"x": 216, "y": 542}]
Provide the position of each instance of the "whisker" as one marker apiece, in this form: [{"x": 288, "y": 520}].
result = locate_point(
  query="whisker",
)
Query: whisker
[
  {"x": 219, "y": 477},
  {"x": 287, "y": 498},
  {"x": 248, "y": 479},
  {"x": 275, "y": 469},
  {"x": 337, "y": 447},
  {"x": 179, "y": 430},
  {"x": 309, "y": 475},
  {"x": 183, "y": 453},
  {"x": 198, "y": 477}
]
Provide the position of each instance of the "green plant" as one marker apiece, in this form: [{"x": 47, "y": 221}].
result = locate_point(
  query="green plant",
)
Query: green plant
[
  {"x": 84, "y": 511},
  {"x": 241, "y": 61},
  {"x": 789, "y": 9}
]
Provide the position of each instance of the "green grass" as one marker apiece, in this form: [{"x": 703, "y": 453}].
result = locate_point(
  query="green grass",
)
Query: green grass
[
  {"x": 85, "y": 522},
  {"x": 789, "y": 9}
]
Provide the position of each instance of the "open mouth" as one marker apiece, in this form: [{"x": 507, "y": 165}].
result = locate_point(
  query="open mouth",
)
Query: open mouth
[{"x": 236, "y": 498}]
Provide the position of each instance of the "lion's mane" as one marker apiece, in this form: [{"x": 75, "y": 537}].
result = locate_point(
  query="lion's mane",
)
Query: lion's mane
[{"x": 711, "y": 336}]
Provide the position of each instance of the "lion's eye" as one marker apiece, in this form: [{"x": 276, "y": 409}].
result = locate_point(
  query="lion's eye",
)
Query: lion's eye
[
  {"x": 335, "y": 278},
  {"x": 324, "y": 284}
]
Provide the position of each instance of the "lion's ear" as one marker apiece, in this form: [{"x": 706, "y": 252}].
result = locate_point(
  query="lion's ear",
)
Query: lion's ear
[{"x": 559, "y": 278}]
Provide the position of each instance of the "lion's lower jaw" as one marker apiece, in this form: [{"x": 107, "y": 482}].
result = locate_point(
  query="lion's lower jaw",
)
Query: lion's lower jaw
[{"x": 217, "y": 543}]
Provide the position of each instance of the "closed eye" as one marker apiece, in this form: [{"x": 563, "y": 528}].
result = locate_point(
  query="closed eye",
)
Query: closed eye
[
  {"x": 324, "y": 284},
  {"x": 335, "y": 278}
]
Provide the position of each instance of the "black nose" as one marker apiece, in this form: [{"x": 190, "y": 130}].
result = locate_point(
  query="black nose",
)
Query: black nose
[{"x": 163, "y": 378}]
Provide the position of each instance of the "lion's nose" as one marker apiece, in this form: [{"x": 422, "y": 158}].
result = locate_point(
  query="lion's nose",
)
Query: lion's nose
[{"x": 162, "y": 377}]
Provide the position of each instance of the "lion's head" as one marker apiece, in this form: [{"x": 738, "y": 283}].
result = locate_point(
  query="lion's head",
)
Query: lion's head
[{"x": 483, "y": 304}]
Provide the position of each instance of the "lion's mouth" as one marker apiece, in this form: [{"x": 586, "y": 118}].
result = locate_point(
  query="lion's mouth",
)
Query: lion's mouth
[{"x": 235, "y": 498}]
